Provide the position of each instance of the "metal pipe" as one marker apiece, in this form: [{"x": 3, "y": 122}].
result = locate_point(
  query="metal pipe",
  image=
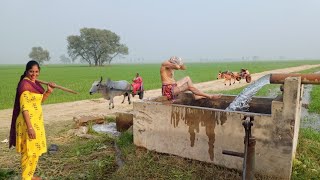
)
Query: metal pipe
[
  {"x": 250, "y": 159},
  {"x": 232, "y": 153},
  {"x": 249, "y": 150},
  {"x": 305, "y": 78}
]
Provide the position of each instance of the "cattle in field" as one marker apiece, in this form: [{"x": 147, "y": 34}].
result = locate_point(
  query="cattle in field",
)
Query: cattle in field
[
  {"x": 243, "y": 74},
  {"x": 227, "y": 76},
  {"x": 110, "y": 89}
]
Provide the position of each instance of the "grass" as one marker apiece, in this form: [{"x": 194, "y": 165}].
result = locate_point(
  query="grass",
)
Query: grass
[
  {"x": 6, "y": 174},
  {"x": 79, "y": 158},
  {"x": 307, "y": 162},
  {"x": 314, "y": 105},
  {"x": 125, "y": 142},
  {"x": 91, "y": 159},
  {"x": 80, "y": 77},
  {"x": 145, "y": 164}
]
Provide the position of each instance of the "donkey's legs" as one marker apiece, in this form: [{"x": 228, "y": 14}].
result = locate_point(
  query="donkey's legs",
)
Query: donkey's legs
[
  {"x": 110, "y": 104},
  {"x": 129, "y": 100},
  {"x": 124, "y": 97}
]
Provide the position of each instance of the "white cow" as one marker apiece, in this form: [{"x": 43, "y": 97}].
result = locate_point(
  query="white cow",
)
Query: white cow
[{"x": 110, "y": 89}]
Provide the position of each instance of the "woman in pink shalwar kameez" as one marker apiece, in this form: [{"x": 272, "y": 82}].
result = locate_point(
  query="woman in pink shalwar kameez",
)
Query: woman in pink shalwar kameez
[{"x": 137, "y": 82}]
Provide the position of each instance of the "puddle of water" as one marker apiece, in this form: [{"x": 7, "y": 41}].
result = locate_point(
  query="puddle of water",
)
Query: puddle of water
[
  {"x": 241, "y": 102},
  {"x": 109, "y": 128}
]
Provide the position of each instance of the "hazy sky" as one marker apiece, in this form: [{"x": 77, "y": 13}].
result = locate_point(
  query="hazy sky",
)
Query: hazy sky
[{"x": 155, "y": 30}]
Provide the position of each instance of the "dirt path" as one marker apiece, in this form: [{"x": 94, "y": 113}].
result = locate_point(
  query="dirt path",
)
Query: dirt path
[{"x": 66, "y": 111}]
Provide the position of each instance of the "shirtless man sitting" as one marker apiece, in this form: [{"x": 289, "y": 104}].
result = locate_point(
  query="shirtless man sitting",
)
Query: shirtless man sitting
[{"x": 171, "y": 88}]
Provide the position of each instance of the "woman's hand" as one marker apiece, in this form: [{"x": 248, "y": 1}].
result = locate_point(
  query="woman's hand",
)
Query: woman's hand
[
  {"x": 31, "y": 133},
  {"x": 50, "y": 87}
]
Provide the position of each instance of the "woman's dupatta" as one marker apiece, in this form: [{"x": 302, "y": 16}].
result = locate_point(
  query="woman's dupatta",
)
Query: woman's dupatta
[{"x": 24, "y": 85}]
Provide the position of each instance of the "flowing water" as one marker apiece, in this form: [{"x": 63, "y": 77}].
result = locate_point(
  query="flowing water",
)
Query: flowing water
[
  {"x": 109, "y": 128},
  {"x": 241, "y": 102}
]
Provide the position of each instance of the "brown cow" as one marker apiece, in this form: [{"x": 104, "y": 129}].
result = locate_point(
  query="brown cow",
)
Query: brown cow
[{"x": 227, "y": 75}]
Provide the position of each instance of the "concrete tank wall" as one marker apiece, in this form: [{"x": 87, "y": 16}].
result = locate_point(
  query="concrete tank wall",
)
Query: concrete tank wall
[{"x": 202, "y": 133}]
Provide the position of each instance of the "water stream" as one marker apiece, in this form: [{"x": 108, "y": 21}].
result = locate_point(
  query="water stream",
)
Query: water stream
[{"x": 241, "y": 102}]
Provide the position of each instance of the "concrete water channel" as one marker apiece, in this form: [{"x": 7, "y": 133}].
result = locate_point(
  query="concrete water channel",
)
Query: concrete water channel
[{"x": 203, "y": 129}]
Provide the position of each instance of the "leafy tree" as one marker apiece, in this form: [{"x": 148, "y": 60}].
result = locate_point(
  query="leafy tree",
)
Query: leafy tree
[
  {"x": 39, "y": 54},
  {"x": 95, "y": 46},
  {"x": 65, "y": 59}
]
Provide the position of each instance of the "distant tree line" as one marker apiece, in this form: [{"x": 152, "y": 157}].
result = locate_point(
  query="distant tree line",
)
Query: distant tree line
[{"x": 93, "y": 46}]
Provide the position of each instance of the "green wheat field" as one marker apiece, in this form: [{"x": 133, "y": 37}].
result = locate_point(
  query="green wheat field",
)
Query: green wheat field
[{"x": 81, "y": 77}]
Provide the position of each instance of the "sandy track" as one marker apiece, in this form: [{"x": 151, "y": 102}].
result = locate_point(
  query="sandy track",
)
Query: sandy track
[{"x": 66, "y": 111}]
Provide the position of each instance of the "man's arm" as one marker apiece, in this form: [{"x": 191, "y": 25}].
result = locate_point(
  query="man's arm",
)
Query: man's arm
[
  {"x": 170, "y": 65},
  {"x": 183, "y": 67}
]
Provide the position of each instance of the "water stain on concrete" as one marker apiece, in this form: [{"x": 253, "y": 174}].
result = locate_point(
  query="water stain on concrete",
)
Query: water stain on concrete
[{"x": 196, "y": 117}]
